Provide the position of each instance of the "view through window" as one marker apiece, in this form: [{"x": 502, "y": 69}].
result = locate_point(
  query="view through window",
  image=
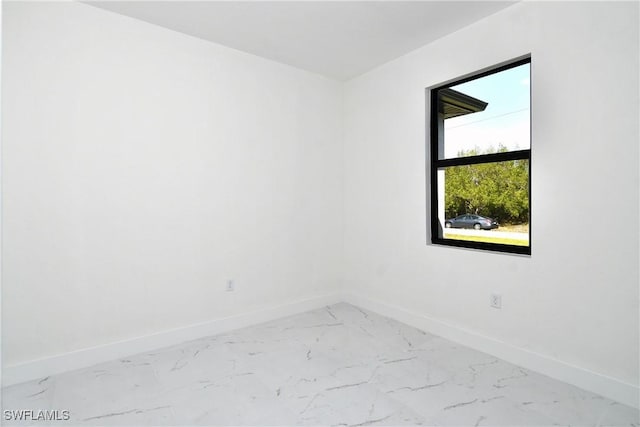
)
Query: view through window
[{"x": 481, "y": 160}]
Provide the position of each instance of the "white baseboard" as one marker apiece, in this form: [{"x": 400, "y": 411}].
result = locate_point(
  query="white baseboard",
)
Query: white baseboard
[
  {"x": 612, "y": 388},
  {"x": 40, "y": 368}
]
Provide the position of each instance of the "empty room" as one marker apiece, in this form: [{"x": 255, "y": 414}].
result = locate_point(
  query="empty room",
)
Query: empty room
[{"x": 320, "y": 213}]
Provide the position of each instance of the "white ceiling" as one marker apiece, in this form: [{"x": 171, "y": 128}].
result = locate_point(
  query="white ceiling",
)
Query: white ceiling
[{"x": 339, "y": 39}]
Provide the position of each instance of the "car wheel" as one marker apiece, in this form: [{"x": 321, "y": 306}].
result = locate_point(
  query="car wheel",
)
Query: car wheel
[
  {"x": 447, "y": 225},
  {"x": 476, "y": 226}
]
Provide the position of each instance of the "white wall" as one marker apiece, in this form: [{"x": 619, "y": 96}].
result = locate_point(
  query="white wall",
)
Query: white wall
[
  {"x": 142, "y": 168},
  {"x": 576, "y": 298}
]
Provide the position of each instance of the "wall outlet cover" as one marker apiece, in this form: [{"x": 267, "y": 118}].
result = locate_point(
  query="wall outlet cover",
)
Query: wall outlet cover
[{"x": 495, "y": 300}]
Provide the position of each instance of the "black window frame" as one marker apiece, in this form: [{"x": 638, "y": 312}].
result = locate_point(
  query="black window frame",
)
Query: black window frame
[{"x": 436, "y": 163}]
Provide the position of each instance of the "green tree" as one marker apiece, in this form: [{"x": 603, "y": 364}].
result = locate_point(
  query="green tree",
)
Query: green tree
[{"x": 498, "y": 190}]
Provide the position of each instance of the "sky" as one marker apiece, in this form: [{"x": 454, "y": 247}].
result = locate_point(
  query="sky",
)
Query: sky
[{"x": 505, "y": 120}]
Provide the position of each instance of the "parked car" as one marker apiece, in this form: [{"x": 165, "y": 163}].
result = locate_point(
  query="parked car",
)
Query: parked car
[{"x": 471, "y": 221}]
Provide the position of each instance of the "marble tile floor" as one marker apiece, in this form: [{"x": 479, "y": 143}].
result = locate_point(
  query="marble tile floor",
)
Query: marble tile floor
[{"x": 336, "y": 366}]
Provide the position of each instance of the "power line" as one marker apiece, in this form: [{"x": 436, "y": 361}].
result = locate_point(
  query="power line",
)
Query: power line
[{"x": 489, "y": 118}]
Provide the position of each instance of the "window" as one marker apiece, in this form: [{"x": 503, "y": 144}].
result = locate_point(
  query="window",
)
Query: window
[{"x": 481, "y": 160}]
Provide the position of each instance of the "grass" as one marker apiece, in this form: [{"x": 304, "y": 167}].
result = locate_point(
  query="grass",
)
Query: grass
[
  {"x": 514, "y": 228},
  {"x": 487, "y": 239}
]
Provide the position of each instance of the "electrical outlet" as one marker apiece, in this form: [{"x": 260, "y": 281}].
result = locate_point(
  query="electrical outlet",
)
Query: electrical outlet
[
  {"x": 231, "y": 286},
  {"x": 495, "y": 300}
]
